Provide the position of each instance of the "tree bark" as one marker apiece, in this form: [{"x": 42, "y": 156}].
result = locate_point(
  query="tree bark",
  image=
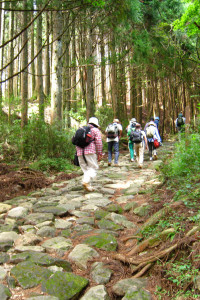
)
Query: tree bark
[
  {"x": 47, "y": 58},
  {"x": 39, "y": 79},
  {"x": 24, "y": 75},
  {"x": 103, "y": 72},
  {"x": 66, "y": 76},
  {"x": 74, "y": 87},
  {"x": 56, "y": 90},
  {"x": 90, "y": 75},
  {"x": 33, "y": 81},
  {"x": 2, "y": 28}
]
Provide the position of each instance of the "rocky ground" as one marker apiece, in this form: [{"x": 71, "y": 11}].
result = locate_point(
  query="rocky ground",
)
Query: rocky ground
[{"x": 60, "y": 242}]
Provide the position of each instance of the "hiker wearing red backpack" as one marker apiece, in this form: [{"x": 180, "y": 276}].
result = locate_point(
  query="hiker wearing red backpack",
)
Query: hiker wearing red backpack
[
  {"x": 90, "y": 155},
  {"x": 153, "y": 138}
]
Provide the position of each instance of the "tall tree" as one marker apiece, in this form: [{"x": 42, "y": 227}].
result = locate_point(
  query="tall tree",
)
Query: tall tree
[
  {"x": 56, "y": 90},
  {"x": 24, "y": 75},
  {"x": 39, "y": 79}
]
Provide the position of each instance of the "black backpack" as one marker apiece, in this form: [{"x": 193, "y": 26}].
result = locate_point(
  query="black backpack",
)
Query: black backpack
[
  {"x": 112, "y": 131},
  {"x": 136, "y": 136},
  {"x": 82, "y": 137},
  {"x": 180, "y": 121}
]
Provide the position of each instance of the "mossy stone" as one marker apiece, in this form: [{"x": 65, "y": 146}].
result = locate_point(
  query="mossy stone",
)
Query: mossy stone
[
  {"x": 29, "y": 275},
  {"x": 115, "y": 208},
  {"x": 100, "y": 214},
  {"x": 103, "y": 241},
  {"x": 109, "y": 225},
  {"x": 64, "y": 285}
]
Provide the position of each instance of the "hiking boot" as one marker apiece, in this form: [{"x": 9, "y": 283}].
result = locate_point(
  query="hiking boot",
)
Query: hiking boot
[
  {"x": 151, "y": 158},
  {"x": 132, "y": 159},
  {"x": 155, "y": 157},
  {"x": 109, "y": 164},
  {"x": 140, "y": 166},
  {"x": 116, "y": 165},
  {"x": 88, "y": 187}
]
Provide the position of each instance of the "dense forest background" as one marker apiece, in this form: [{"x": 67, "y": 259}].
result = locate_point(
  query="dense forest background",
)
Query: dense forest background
[{"x": 64, "y": 61}]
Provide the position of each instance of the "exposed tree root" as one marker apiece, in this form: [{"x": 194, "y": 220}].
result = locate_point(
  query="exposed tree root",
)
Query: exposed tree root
[{"x": 144, "y": 264}]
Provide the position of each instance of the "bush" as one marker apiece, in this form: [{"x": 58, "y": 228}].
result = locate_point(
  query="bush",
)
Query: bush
[
  {"x": 185, "y": 163},
  {"x": 37, "y": 140},
  {"x": 44, "y": 140},
  {"x": 47, "y": 164}
]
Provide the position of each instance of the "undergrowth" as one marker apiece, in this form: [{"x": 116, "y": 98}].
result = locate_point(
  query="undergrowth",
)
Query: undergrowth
[
  {"x": 182, "y": 176},
  {"x": 43, "y": 146}
]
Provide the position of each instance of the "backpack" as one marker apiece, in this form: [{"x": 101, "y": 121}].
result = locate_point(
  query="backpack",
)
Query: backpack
[
  {"x": 180, "y": 121},
  {"x": 112, "y": 131},
  {"x": 82, "y": 137},
  {"x": 136, "y": 136},
  {"x": 150, "y": 131}
]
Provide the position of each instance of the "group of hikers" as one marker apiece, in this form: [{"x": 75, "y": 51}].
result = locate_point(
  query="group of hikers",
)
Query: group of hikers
[{"x": 89, "y": 147}]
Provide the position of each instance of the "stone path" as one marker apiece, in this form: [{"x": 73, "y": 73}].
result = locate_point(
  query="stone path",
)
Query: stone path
[{"x": 39, "y": 233}]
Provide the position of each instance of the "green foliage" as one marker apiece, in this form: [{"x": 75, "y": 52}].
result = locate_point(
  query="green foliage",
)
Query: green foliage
[
  {"x": 186, "y": 161},
  {"x": 41, "y": 139},
  {"x": 181, "y": 273},
  {"x": 105, "y": 116},
  {"x": 79, "y": 115},
  {"x": 190, "y": 18},
  {"x": 47, "y": 164},
  {"x": 49, "y": 145}
]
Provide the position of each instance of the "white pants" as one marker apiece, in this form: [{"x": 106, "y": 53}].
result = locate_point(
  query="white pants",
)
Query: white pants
[
  {"x": 89, "y": 169},
  {"x": 139, "y": 149}
]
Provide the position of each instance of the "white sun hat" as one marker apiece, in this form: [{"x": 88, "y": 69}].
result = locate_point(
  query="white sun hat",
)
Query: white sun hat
[{"x": 94, "y": 120}]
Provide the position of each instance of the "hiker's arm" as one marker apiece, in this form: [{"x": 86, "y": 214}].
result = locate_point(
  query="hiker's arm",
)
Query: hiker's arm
[
  {"x": 99, "y": 145},
  {"x": 146, "y": 142},
  {"x": 120, "y": 134}
]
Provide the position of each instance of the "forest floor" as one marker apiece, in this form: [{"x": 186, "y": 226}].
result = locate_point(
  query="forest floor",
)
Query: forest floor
[{"x": 15, "y": 181}]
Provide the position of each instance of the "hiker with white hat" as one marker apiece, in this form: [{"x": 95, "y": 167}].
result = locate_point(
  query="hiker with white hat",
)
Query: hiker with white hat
[{"x": 90, "y": 155}]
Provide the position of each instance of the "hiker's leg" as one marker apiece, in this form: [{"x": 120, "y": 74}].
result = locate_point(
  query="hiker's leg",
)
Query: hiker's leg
[
  {"x": 130, "y": 145},
  {"x": 91, "y": 169},
  {"x": 154, "y": 151},
  {"x": 116, "y": 152},
  {"x": 136, "y": 149},
  {"x": 150, "y": 149},
  {"x": 84, "y": 168},
  {"x": 141, "y": 154},
  {"x": 110, "y": 145}
]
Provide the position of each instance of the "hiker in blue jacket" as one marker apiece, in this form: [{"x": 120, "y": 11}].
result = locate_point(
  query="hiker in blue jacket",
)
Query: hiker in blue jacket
[{"x": 156, "y": 121}]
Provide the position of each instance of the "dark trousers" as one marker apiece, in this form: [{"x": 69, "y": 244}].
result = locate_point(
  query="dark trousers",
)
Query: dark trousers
[{"x": 151, "y": 148}]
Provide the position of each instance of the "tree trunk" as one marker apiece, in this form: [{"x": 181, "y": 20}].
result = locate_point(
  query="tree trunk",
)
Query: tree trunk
[
  {"x": 113, "y": 74},
  {"x": 24, "y": 75},
  {"x": 74, "y": 87},
  {"x": 90, "y": 76},
  {"x": 82, "y": 51},
  {"x": 66, "y": 76},
  {"x": 47, "y": 58},
  {"x": 103, "y": 72},
  {"x": 133, "y": 92},
  {"x": 2, "y": 28},
  {"x": 10, "y": 57},
  {"x": 33, "y": 83},
  {"x": 56, "y": 90},
  {"x": 39, "y": 79}
]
